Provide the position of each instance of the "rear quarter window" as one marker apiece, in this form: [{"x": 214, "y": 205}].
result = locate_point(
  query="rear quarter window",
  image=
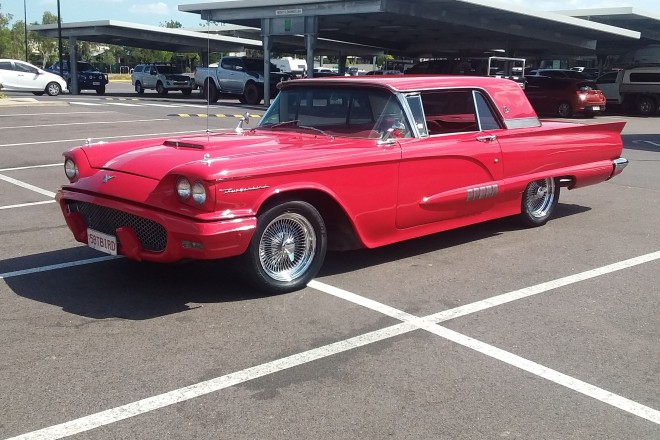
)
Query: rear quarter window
[{"x": 648, "y": 77}]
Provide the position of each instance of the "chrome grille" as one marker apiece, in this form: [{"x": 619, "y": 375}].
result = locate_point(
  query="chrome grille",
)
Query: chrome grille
[{"x": 152, "y": 235}]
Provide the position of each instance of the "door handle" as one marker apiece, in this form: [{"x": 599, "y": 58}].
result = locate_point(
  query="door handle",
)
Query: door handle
[{"x": 489, "y": 138}]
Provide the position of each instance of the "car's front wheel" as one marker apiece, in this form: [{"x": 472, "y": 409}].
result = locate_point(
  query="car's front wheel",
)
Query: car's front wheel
[
  {"x": 210, "y": 92},
  {"x": 53, "y": 89},
  {"x": 186, "y": 92},
  {"x": 100, "y": 90},
  {"x": 287, "y": 248},
  {"x": 539, "y": 201},
  {"x": 138, "y": 88},
  {"x": 160, "y": 88}
]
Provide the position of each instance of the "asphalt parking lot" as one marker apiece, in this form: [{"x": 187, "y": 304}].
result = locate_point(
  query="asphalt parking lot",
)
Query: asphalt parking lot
[{"x": 486, "y": 332}]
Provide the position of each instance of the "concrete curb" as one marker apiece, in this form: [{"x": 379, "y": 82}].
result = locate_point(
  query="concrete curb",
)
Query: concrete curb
[{"x": 25, "y": 102}]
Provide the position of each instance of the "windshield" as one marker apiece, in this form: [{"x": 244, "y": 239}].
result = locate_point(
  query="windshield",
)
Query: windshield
[
  {"x": 84, "y": 67},
  {"x": 342, "y": 112},
  {"x": 168, "y": 70},
  {"x": 257, "y": 65}
]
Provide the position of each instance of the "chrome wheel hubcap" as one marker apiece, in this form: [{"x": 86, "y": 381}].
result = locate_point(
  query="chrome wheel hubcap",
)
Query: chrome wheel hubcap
[
  {"x": 287, "y": 247},
  {"x": 539, "y": 197}
]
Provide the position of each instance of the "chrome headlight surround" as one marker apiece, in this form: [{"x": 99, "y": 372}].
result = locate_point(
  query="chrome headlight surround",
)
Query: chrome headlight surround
[
  {"x": 70, "y": 169},
  {"x": 199, "y": 193},
  {"x": 183, "y": 188}
]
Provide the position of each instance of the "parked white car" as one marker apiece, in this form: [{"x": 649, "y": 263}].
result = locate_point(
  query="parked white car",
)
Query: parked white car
[{"x": 19, "y": 76}]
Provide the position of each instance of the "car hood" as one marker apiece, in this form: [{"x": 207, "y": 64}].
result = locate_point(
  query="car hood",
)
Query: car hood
[{"x": 224, "y": 156}]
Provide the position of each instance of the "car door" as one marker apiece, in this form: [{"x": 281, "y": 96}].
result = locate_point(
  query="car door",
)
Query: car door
[
  {"x": 231, "y": 75},
  {"x": 609, "y": 85},
  {"x": 29, "y": 77},
  {"x": 8, "y": 76},
  {"x": 457, "y": 169}
]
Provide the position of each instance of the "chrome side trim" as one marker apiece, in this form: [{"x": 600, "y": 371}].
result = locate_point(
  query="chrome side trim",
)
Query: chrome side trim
[
  {"x": 522, "y": 122},
  {"x": 481, "y": 192}
]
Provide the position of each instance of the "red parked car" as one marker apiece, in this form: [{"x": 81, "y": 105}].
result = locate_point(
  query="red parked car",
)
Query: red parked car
[
  {"x": 564, "y": 97},
  {"x": 334, "y": 164}
]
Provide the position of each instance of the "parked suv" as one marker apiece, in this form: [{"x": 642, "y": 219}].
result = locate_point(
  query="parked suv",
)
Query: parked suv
[
  {"x": 635, "y": 89},
  {"x": 162, "y": 78},
  {"x": 564, "y": 97},
  {"x": 89, "y": 77}
]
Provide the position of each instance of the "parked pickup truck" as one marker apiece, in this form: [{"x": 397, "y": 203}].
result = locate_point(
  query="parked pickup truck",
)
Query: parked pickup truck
[
  {"x": 635, "y": 89},
  {"x": 162, "y": 77},
  {"x": 89, "y": 77},
  {"x": 240, "y": 77}
]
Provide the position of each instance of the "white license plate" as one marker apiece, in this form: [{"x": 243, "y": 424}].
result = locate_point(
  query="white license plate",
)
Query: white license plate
[
  {"x": 595, "y": 107},
  {"x": 96, "y": 83},
  {"x": 102, "y": 242}
]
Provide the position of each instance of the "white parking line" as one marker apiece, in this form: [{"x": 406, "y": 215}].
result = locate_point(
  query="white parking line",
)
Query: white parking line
[
  {"x": 27, "y": 186},
  {"x": 23, "y": 205},
  {"x": 410, "y": 323},
  {"x": 53, "y": 113},
  {"x": 84, "y": 103},
  {"x": 123, "y": 104},
  {"x": 29, "y": 167},
  {"x": 85, "y": 123}
]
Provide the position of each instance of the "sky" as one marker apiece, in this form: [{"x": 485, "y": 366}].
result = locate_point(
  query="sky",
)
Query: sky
[{"x": 157, "y": 12}]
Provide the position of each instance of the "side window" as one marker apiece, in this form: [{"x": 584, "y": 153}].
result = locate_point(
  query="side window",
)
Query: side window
[
  {"x": 25, "y": 68},
  {"x": 415, "y": 104},
  {"x": 608, "y": 78},
  {"x": 651, "y": 77},
  {"x": 485, "y": 115},
  {"x": 449, "y": 111},
  {"x": 229, "y": 64},
  {"x": 5, "y": 65}
]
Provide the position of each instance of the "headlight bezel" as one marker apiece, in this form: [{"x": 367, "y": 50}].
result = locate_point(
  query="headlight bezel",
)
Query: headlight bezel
[
  {"x": 183, "y": 189},
  {"x": 71, "y": 170}
]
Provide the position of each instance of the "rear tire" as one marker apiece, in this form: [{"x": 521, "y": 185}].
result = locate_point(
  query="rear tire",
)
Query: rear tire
[
  {"x": 646, "y": 106},
  {"x": 251, "y": 94},
  {"x": 565, "y": 110},
  {"x": 210, "y": 92},
  {"x": 538, "y": 202},
  {"x": 287, "y": 249}
]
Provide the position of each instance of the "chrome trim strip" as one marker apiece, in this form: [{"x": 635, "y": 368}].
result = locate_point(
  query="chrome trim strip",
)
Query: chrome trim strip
[
  {"x": 522, "y": 122},
  {"x": 620, "y": 163}
]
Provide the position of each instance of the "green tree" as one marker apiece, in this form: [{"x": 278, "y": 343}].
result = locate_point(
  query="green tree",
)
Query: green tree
[
  {"x": 5, "y": 34},
  {"x": 47, "y": 48},
  {"x": 171, "y": 24},
  {"x": 18, "y": 40}
]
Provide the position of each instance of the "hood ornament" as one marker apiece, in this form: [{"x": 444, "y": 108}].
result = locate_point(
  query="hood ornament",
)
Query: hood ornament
[
  {"x": 245, "y": 119},
  {"x": 107, "y": 177}
]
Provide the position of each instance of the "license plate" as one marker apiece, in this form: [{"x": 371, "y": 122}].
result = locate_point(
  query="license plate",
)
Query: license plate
[
  {"x": 96, "y": 83},
  {"x": 102, "y": 242},
  {"x": 595, "y": 107}
]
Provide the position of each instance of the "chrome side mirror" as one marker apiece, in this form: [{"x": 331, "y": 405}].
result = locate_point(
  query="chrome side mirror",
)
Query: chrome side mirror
[{"x": 245, "y": 119}]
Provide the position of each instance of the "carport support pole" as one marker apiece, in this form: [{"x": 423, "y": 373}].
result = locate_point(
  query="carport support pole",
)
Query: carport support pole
[
  {"x": 267, "y": 45},
  {"x": 311, "y": 32},
  {"x": 73, "y": 67}
]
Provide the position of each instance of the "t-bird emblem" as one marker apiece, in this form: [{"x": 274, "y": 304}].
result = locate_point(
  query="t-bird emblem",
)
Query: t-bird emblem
[{"x": 107, "y": 177}]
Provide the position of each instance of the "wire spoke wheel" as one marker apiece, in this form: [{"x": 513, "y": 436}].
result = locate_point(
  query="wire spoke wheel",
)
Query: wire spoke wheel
[
  {"x": 287, "y": 247},
  {"x": 539, "y": 201}
]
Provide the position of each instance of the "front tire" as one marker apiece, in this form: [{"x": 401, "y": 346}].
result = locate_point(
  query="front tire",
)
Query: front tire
[
  {"x": 287, "y": 249},
  {"x": 53, "y": 89},
  {"x": 138, "y": 88},
  {"x": 210, "y": 91},
  {"x": 160, "y": 88},
  {"x": 538, "y": 202},
  {"x": 186, "y": 92},
  {"x": 100, "y": 90}
]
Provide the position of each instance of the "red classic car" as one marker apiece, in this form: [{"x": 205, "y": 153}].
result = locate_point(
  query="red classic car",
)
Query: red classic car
[{"x": 334, "y": 164}]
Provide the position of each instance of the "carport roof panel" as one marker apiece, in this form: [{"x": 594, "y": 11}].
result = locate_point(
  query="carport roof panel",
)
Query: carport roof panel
[
  {"x": 422, "y": 26},
  {"x": 647, "y": 23},
  {"x": 139, "y": 35}
]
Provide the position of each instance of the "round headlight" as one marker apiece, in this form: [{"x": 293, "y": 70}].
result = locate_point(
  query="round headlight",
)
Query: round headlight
[
  {"x": 199, "y": 193},
  {"x": 183, "y": 188},
  {"x": 70, "y": 169}
]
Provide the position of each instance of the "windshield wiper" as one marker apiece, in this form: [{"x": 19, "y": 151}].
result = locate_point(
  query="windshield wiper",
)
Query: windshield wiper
[{"x": 316, "y": 129}]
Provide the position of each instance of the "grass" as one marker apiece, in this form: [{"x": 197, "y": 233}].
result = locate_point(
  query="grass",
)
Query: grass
[{"x": 119, "y": 77}]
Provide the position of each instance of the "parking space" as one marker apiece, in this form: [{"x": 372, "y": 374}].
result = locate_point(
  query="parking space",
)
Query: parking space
[{"x": 489, "y": 331}]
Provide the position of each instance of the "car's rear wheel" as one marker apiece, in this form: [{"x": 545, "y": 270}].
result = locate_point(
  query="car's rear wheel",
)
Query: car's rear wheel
[
  {"x": 646, "y": 106},
  {"x": 160, "y": 88},
  {"x": 287, "y": 248},
  {"x": 565, "y": 110},
  {"x": 539, "y": 201},
  {"x": 251, "y": 94},
  {"x": 210, "y": 92},
  {"x": 100, "y": 90},
  {"x": 38, "y": 93},
  {"x": 53, "y": 89},
  {"x": 138, "y": 88}
]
